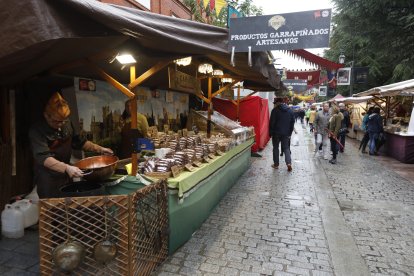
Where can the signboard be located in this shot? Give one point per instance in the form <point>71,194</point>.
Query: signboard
<point>360,74</point>
<point>344,76</point>
<point>296,86</point>
<point>289,31</point>
<point>323,91</point>
<point>183,82</point>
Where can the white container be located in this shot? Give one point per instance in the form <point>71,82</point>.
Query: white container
<point>30,211</point>
<point>12,222</point>
<point>33,195</point>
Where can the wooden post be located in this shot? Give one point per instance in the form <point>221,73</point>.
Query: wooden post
<point>209,108</point>
<point>134,123</point>
<point>388,105</point>
<point>238,103</point>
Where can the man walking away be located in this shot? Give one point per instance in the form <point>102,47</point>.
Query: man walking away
<point>375,127</point>
<point>344,124</point>
<point>320,127</point>
<point>280,129</point>
<point>365,139</point>
<point>334,125</point>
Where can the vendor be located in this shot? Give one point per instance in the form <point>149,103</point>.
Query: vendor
<point>142,127</point>
<point>52,140</point>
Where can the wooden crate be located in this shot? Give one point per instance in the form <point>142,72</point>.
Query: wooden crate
<point>134,236</point>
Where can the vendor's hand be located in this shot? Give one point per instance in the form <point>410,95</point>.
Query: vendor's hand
<point>106,151</point>
<point>73,171</point>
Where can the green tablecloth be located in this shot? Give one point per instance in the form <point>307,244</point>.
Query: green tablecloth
<point>204,190</point>
<point>187,181</point>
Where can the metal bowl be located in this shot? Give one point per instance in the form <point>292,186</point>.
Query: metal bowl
<point>68,256</point>
<point>98,168</point>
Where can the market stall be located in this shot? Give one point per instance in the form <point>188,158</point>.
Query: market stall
<point>396,102</point>
<point>75,43</point>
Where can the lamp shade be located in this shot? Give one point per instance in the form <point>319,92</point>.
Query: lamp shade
<point>205,68</point>
<point>183,61</point>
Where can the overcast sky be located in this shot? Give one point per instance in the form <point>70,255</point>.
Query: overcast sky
<point>287,6</point>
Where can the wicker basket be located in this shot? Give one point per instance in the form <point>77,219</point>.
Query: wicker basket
<point>139,224</point>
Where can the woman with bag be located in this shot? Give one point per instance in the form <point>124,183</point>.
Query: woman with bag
<point>365,139</point>
<point>374,129</point>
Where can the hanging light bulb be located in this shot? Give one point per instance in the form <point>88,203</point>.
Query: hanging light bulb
<point>183,61</point>
<point>226,80</point>
<point>205,68</point>
<point>218,72</point>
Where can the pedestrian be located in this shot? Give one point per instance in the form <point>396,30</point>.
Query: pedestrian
<point>280,129</point>
<point>312,116</point>
<point>374,127</point>
<point>307,114</point>
<point>301,115</point>
<point>320,128</point>
<point>344,125</point>
<point>365,139</point>
<point>335,123</point>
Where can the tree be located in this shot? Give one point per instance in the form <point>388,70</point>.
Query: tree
<point>245,6</point>
<point>378,34</point>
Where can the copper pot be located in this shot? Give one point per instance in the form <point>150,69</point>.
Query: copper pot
<point>98,168</point>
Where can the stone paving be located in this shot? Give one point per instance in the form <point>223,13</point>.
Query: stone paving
<point>273,222</point>
<point>353,218</point>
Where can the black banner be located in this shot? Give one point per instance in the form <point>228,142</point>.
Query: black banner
<point>296,86</point>
<point>289,31</point>
<point>360,74</point>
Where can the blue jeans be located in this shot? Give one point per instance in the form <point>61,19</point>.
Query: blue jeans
<point>373,136</point>
<point>284,140</point>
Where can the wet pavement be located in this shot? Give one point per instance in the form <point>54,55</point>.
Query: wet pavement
<point>352,218</point>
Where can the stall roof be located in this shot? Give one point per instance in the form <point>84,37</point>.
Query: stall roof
<point>39,35</point>
<point>404,88</point>
<point>353,100</point>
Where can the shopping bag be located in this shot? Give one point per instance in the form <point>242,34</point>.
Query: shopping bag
<point>318,139</point>
<point>295,140</point>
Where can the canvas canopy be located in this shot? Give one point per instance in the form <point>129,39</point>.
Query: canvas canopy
<point>43,36</point>
<point>403,88</point>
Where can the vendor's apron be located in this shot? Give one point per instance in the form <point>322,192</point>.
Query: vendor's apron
<point>127,141</point>
<point>48,181</point>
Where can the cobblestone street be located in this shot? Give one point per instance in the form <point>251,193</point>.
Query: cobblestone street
<point>353,218</point>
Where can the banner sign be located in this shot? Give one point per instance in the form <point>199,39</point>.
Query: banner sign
<point>297,86</point>
<point>344,76</point>
<point>289,31</point>
<point>183,82</point>
<point>323,91</point>
<point>360,74</point>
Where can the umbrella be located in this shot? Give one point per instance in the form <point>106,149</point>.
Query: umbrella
<point>334,137</point>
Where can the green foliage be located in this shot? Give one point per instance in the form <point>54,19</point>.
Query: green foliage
<point>245,6</point>
<point>375,33</point>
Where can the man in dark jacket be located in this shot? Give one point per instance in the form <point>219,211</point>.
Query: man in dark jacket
<point>374,128</point>
<point>280,129</point>
<point>344,125</point>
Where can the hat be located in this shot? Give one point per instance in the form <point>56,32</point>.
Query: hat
<point>58,107</point>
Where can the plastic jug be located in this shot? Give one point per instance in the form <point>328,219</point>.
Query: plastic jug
<point>30,211</point>
<point>12,222</point>
<point>33,195</point>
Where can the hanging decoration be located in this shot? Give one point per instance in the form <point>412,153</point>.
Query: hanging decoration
<point>220,4</point>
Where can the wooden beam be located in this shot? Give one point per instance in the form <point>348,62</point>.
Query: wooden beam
<point>111,80</point>
<point>238,104</point>
<point>146,75</point>
<point>209,108</point>
<point>221,90</point>
<point>134,122</point>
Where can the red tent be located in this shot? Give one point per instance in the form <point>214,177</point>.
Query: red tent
<point>254,111</point>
